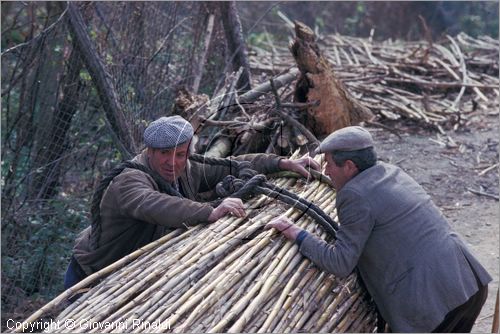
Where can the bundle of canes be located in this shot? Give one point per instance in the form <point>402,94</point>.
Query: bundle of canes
<point>230,276</point>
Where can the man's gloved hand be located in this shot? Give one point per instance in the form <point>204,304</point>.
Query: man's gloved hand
<point>300,166</point>
<point>233,206</point>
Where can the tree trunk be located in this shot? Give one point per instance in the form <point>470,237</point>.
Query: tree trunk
<point>221,148</point>
<point>337,107</point>
<point>48,159</point>
<point>135,59</point>
<point>102,82</point>
<point>265,87</point>
<point>235,43</point>
<point>204,52</point>
<point>21,137</point>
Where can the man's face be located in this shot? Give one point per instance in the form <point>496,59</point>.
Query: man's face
<point>339,175</point>
<point>169,163</point>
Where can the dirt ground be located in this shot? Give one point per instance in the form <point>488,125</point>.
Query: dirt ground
<point>447,170</point>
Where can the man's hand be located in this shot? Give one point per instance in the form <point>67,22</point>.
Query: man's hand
<point>233,206</point>
<point>300,166</point>
<point>285,226</point>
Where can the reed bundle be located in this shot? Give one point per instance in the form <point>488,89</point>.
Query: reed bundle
<point>231,276</point>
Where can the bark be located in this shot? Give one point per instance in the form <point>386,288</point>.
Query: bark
<point>203,56</point>
<point>317,81</point>
<point>221,148</point>
<point>102,81</point>
<point>188,105</point>
<point>136,64</point>
<point>264,88</point>
<point>236,43</point>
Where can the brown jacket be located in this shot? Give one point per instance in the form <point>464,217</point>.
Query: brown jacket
<point>134,212</point>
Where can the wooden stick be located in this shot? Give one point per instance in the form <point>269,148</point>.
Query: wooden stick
<point>258,91</point>
<point>494,326</point>
<point>484,171</point>
<point>440,84</point>
<point>482,193</point>
<point>279,303</point>
<point>309,135</point>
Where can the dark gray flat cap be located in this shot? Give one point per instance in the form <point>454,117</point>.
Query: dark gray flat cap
<point>351,138</point>
<point>168,132</point>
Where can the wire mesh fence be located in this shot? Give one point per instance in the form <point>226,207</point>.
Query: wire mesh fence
<point>56,138</point>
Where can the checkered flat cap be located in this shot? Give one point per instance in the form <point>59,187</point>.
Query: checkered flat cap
<point>351,138</point>
<point>168,132</point>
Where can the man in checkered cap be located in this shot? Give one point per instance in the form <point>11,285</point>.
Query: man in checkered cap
<point>134,212</point>
<point>419,272</point>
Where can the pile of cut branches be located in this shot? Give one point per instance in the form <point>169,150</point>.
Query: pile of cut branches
<point>435,85</point>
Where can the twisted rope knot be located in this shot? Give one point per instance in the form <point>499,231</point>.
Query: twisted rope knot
<point>251,187</point>
<point>229,185</point>
<point>235,187</point>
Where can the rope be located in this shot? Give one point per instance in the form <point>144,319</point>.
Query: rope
<point>248,184</point>
<point>286,193</point>
<point>242,169</point>
<point>258,185</point>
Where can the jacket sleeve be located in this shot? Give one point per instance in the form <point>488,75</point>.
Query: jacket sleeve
<point>210,175</point>
<point>262,163</point>
<point>356,224</point>
<point>138,196</point>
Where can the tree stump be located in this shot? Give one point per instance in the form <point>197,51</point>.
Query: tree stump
<point>317,81</point>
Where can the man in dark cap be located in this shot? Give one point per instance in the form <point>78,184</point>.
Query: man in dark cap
<point>419,272</point>
<point>133,210</point>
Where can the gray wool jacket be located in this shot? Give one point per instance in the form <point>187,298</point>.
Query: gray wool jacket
<point>414,266</point>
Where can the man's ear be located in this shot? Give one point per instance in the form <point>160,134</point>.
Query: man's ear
<point>351,167</point>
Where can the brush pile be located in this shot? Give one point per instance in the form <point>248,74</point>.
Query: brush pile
<point>440,86</point>
<point>230,276</point>
<point>437,84</point>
